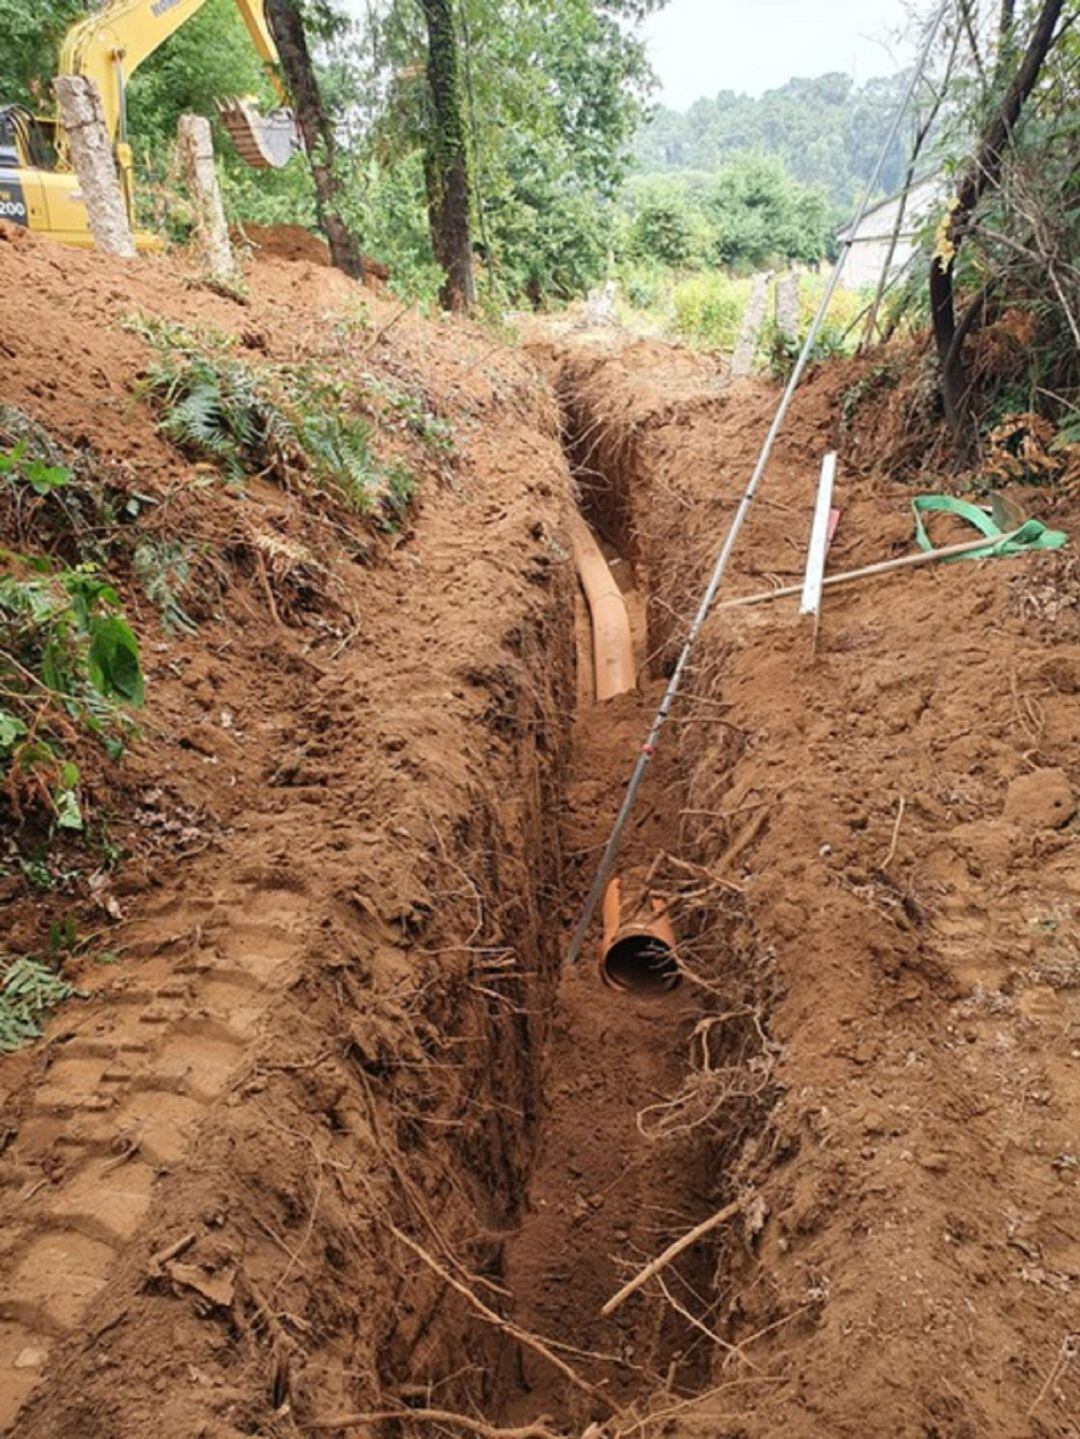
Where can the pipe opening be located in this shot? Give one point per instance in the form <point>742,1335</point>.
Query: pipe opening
<point>641,964</point>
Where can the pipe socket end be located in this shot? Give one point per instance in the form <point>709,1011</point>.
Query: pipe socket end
<point>638,951</point>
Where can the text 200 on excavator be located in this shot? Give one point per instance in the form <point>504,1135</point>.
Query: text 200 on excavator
<point>37,185</point>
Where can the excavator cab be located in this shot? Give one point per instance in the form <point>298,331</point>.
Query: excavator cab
<point>27,155</point>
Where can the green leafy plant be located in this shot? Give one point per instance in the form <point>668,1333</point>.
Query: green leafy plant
<point>783,350</point>
<point>69,666</point>
<point>29,991</point>
<point>19,465</point>
<point>708,310</point>
<point>163,568</point>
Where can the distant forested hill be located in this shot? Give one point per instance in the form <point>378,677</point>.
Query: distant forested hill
<point>827,131</point>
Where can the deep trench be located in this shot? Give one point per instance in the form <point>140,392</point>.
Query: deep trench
<point>502,1128</point>
<point>599,1200</point>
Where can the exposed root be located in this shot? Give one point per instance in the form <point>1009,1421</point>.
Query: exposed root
<point>709,1087</point>
<point>539,1430</point>
<point>523,1336</point>
<point>672,1252</point>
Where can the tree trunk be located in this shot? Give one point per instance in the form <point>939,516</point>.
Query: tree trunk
<point>446,164</point>
<point>83,119</point>
<point>982,173</point>
<point>287,27</point>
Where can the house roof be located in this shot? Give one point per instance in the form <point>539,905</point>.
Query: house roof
<point>927,177</point>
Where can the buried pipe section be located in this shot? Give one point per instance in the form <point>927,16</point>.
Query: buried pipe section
<point>638,950</point>
<point>613,646</point>
<point>637,954</point>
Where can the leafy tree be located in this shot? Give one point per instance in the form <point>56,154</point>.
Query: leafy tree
<point>31,45</point>
<point>664,230</point>
<point>749,212</point>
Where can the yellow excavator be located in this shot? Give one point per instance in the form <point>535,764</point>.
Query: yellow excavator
<point>37,185</point>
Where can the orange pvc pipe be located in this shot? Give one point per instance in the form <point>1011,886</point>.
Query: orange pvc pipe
<point>637,952</point>
<point>613,645</point>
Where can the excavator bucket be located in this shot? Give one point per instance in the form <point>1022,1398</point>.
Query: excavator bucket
<point>265,141</point>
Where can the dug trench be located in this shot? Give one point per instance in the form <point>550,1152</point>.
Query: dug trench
<point>336,1135</point>
<point>342,1137</point>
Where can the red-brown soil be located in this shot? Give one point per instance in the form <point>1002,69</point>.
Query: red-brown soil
<point>335,1081</point>
<point>293,242</point>
<point>898,805</point>
<point>339,821</point>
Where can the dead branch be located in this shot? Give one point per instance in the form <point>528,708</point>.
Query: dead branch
<point>672,1252</point>
<point>539,1430</point>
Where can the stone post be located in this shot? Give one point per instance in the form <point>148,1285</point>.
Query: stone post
<point>742,361</point>
<point>211,231</point>
<point>787,306</point>
<point>83,119</point>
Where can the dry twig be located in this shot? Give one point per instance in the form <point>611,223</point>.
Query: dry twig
<point>672,1252</point>
<point>539,1430</point>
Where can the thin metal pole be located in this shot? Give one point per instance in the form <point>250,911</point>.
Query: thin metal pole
<point>577,939</point>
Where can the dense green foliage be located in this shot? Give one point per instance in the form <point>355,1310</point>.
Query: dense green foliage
<point>69,663</point>
<point>746,214</point>
<point>31,40</point>
<point>553,93</point>
<point>827,132</point>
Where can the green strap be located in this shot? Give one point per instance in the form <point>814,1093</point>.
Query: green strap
<point>1030,536</point>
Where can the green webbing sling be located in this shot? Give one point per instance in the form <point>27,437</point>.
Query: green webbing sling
<point>1030,536</point>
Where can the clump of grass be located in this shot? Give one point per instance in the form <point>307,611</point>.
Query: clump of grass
<point>707,310</point>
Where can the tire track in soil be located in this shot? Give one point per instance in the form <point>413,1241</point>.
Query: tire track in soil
<point>123,1101</point>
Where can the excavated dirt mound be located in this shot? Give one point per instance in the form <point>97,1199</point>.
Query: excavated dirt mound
<point>896,801</point>
<point>325,1017</point>
<point>293,242</point>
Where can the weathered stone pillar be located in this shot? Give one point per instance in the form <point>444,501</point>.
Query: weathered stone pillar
<point>787,306</point>
<point>83,119</point>
<point>742,361</point>
<point>211,232</point>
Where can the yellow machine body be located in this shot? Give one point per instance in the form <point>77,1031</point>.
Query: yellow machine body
<point>37,186</point>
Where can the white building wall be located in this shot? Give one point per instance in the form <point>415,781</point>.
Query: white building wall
<point>871,246</point>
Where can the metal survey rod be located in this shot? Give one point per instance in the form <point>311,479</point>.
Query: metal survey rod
<point>577,939</point>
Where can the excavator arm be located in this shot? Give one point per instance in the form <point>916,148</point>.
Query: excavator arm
<point>110,45</point>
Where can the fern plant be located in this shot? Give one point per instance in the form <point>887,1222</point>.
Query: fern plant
<point>276,420</point>
<point>29,989</point>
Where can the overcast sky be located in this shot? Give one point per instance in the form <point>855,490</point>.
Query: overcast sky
<point>699,47</point>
